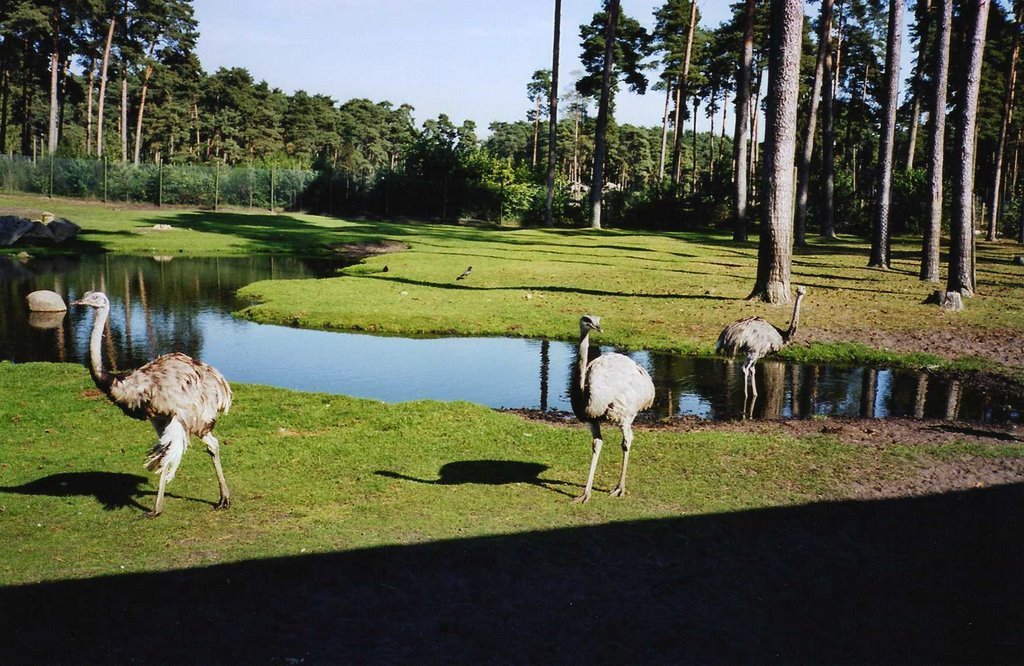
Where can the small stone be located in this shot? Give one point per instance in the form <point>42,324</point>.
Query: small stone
<point>45,300</point>
<point>162,227</point>
<point>46,218</point>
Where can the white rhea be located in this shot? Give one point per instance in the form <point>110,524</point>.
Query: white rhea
<point>612,388</point>
<point>754,337</point>
<point>179,395</point>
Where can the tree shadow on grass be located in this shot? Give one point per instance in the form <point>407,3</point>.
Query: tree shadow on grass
<point>487,473</point>
<point>114,490</point>
<point>923,580</point>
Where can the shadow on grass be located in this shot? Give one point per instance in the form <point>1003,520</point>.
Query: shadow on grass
<point>114,490</point>
<point>927,579</point>
<point>487,473</point>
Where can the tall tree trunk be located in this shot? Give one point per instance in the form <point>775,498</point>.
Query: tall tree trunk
<point>880,236</point>
<point>597,182</point>
<point>664,132</point>
<point>536,132</point>
<point>711,138</point>
<point>915,86</point>
<point>693,165</point>
<point>803,177</point>
<point>755,145</point>
<point>142,103</point>
<point>826,227</point>
<point>740,136</point>
<point>677,160</point>
<point>27,140</point>
<point>775,249</point>
<point>549,216</point>
<point>961,246</point>
<point>88,107</point>
<point>936,147</point>
<point>103,87</point>
<point>1011,84</point>
<point>124,115</point>
<point>5,89</point>
<point>54,74</point>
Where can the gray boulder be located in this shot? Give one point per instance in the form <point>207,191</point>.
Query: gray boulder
<point>13,227</point>
<point>45,300</point>
<point>38,234</point>
<point>63,229</point>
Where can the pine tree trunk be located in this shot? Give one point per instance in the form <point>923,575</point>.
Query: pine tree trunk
<point>1011,84</point>
<point>597,182</point>
<point>677,160</point>
<point>54,67</point>
<point>775,249</point>
<point>826,227</point>
<point>804,167</point>
<point>549,216</point>
<point>936,147</point>
<point>664,132</point>
<point>740,152</point>
<point>711,140</point>
<point>5,90</point>
<point>536,132</point>
<point>961,255</point>
<point>915,86</point>
<point>103,88</point>
<point>124,116</point>
<point>27,142</point>
<point>142,105</point>
<point>693,162</point>
<point>88,107</point>
<point>880,237</point>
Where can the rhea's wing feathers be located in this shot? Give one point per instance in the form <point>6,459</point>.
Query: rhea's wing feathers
<point>618,388</point>
<point>175,385</point>
<point>752,334</point>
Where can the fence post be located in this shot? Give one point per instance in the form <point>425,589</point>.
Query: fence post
<point>216,185</point>
<point>160,183</point>
<point>104,179</point>
<point>271,189</point>
<point>50,195</point>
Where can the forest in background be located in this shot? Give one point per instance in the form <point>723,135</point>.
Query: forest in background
<point>85,79</point>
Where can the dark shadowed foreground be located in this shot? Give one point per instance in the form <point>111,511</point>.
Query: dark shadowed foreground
<point>927,579</point>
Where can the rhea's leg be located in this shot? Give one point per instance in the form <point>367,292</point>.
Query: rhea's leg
<point>213,448</point>
<point>595,432</point>
<point>159,507</point>
<point>627,441</point>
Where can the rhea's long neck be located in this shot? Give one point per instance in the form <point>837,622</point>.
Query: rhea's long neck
<point>584,350</point>
<point>100,376</point>
<point>795,321</point>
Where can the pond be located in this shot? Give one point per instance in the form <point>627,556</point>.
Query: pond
<point>163,304</point>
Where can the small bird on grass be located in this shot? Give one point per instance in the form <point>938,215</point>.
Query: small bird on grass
<point>465,273</point>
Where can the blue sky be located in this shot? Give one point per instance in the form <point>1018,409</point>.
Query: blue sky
<point>470,59</point>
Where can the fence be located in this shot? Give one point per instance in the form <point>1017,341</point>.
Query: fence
<point>159,184</point>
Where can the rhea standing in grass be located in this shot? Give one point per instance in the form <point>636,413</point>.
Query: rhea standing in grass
<point>179,395</point>
<point>612,388</point>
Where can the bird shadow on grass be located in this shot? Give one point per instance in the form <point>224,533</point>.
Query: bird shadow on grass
<point>114,490</point>
<point>487,473</point>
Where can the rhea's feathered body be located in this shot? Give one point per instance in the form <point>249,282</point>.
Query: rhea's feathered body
<point>754,338</point>
<point>612,388</point>
<point>180,396</point>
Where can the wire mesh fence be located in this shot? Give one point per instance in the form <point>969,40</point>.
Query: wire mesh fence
<point>159,184</point>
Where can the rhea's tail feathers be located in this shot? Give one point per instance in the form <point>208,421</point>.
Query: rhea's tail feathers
<point>167,453</point>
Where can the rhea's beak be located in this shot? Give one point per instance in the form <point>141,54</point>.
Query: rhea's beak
<point>597,327</point>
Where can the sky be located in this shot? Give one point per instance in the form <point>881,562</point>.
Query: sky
<point>470,59</point>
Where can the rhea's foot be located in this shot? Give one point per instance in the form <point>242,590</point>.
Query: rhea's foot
<point>617,491</point>
<point>582,499</point>
<point>224,503</point>
<point>152,514</point>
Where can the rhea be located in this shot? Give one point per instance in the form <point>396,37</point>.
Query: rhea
<point>612,388</point>
<point>180,396</point>
<point>754,337</point>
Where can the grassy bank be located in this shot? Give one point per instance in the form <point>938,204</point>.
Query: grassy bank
<point>671,291</point>
<point>318,473</point>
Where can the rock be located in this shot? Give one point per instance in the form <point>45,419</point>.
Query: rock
<point>162,227</point>
<point>38,234</point>
<point>13,227</point>
<point>951,301</point>
<point>45,300</point>
<point>46,218</point>
<point>23,256</point>
<point>45,320</point>
<point>1019,260</point>
<point>63,229</point>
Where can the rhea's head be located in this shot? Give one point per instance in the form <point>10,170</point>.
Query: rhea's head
<point>589,323</point>
<point>94,299</point>
<point>801,290</point>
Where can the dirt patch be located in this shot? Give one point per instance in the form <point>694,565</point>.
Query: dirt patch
<point>367,249</point>
<point>951,342</point>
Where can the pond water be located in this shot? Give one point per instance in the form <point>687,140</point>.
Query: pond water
<point>163,304</point>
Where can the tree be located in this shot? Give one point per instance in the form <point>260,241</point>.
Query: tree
<point>549,219</point>
<point>673,20</point>
<point>826,225</point>
<point>880,236</point>
<point>960,278</point>
<point>740,154</point>
<point>775,247</point>
<point>597,181</point>
<point>804,166</point>
<point>537,90</point>
<point>1011,85</point>
<point>923,14</point>
<point>936,146</point>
